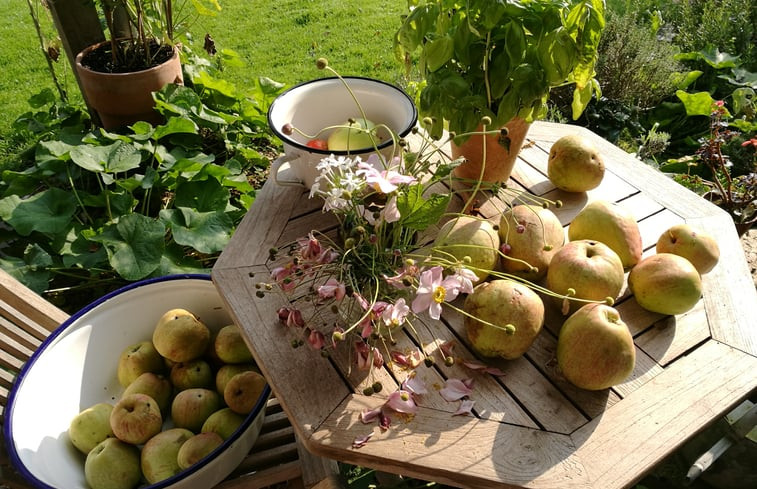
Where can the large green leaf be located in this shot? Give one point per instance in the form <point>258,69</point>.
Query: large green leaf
<point>419,213</point>
<point>49,211</point>
<point>207,232</point>
<point>135,245</point>
<point>31,269</point>
<point>114,158</point>
<point>203,196</point>
<point>696,103</point>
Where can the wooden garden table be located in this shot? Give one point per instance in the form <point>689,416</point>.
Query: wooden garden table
<point>531,428</point>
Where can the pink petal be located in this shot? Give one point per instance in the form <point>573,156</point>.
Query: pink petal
<point>455,389</point>
<point>465,408</point>
<point>402,402</point>
<point>360,441</point>
<point>384,421</point>
<point>483,368</point>
<point>369,415</point>
<point>414,385</point>
<point>447,347</point>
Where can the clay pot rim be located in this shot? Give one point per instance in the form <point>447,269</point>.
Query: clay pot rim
<point>92,47</point>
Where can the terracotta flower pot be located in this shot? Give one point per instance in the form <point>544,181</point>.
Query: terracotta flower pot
<point>125,98</point>
<point>500,160</point>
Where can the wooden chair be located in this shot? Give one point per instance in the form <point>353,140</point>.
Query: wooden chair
<point>277,458</point>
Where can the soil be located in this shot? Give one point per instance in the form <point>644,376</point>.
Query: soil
<point>749,243</point>
<point>131,57</point>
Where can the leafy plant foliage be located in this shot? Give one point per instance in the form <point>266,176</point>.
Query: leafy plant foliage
<point>99,207</point>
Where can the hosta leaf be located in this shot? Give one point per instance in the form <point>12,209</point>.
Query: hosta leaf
<point>207,232</point>
<point>49,211</point>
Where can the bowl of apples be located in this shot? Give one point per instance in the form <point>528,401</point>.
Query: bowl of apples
<point>151,386</point>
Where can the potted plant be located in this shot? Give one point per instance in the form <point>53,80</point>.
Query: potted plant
<point>480,58</point>
<point>119,75</point>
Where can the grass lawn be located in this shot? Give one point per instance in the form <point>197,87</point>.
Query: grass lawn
<point>280,40</point>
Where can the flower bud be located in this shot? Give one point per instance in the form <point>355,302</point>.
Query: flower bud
<point>548,247</point>
<point>609,301</point>
<point>287,129</point>
<point>337,336</point>
<point>427,121</point>
<point>321,63</point>
<point>509,329</point>
<point>377,386</point>
<point>368,391</point>
<point>449,361</point>
<point>486,120</point>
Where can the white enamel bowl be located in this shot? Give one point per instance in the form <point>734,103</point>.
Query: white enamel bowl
<point>76,366</point>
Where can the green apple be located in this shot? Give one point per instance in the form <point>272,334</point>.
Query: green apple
<point>530,234</point>
<point>113,464</point>
<point>665,283</point>
<point>154,385</point>
<point>191,407</point>
<point>226,372</point>
<point>159,457</point>
<point>611,224</point>
<point>180,336</point>
<point>516,312</point>
<point>90,427</point>
<point>585,269</point>
<point>137,359</point>
<point>243,391</point>
<point>224,422</point>
<point>136,418</point>
<point>192,374</point>
<point>353,136</point>
<point>700,248</point>
<point>595,349</point>
<point>230,347</point>
<point>574,164</point>
<point>197,448</point>
<point>471,241</point>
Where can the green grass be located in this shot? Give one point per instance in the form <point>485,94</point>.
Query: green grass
<point>280,40</point>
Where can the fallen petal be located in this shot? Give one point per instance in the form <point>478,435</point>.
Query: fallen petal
<point>360,441</point>
<point>455,389</point>
<point>414,385</point>
<point>483,368</point>
<point>465,408</point>
<point>369,415</point>
<point>447,347</point>
<point>402,402</point>
<point>384,421</point>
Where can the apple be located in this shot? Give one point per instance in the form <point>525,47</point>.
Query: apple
<point>226,372</point>
<point>503,303</point>
<point>471,241</point>
<point>357,135</point>
<point>113,464</point>
<point>595,349</point>
<point>574,164</point>
<point>197,448</point>
<point>136,418</point>
<point>700,248</point>
<point>137,359</point>
<point>611,224</point>
<point>159,458</point>
<point>190,408</point>
<point>665,283</point>
<point>192,374</point>
<point>243,391</point>
<point>90,427</point>
<point>224,422</point>
<point>530,234</point>
<point>230,347</point>
<point>180,336</point>
<point>154,385</point>
<point>591,269</point>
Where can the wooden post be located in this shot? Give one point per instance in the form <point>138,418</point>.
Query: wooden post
<point>78,27</point>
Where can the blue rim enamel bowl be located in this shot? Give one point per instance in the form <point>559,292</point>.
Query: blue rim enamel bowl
<point>76,367</point>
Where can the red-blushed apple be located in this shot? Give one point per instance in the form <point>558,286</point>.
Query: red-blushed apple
<point>529,236</point>
<point>191,407</point>
<point>353,136</point>
<point>197,448</point>
<point>243,391</point>
<point>574,164</point>
<point>611,224</point>
<point>159,457</point>
<point>224,422</point>
<point>192,374</point>
<point>514,313</point>
<point>665,283</point>
<point>226,372</point>
<point>595,349</point>
<point>154,385</point>
<point>137,359</point>
<point>697,246</point>
<point>468,237</point>
<point>180,336</point>
<point>113,464</point>
<point>136,418</point>
<point>90,427</point>
<point>587,270</point>
<point>230,346</point>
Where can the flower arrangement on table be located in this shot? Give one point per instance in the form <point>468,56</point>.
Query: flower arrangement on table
<point>382,269</point>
